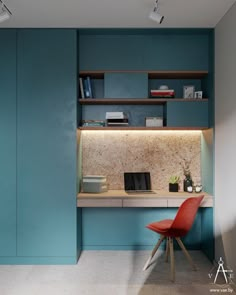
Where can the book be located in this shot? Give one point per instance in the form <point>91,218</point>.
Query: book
<point>162,93</point>
<point>86,89</point>
<point>93,123</point>
<point>117,124</point>
<point>125,120</point>
<point>89,87</point>
<point>81,87</point>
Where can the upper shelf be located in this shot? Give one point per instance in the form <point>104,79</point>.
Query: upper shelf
<point>151,74</point>
<point>143,101</point>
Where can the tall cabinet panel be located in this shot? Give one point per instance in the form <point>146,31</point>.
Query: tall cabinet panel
<point>46,166</point>
<point>8,143</point>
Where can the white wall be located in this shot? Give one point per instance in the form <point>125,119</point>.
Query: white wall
<point>225,138</point>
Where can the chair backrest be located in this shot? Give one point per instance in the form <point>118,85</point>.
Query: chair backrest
<point>185,216</point>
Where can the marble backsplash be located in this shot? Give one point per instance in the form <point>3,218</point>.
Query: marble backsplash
<point>163,153</point>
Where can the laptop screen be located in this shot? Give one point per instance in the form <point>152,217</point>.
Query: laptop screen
<point>137,181</point>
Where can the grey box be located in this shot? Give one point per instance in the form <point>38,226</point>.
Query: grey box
<point>94,184</point>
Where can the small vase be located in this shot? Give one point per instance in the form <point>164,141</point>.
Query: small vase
<point>187,182</point>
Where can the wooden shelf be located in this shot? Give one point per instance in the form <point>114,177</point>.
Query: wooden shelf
<point>143,128</point>
<point>126,101</point>
<point>177,74</point>
<point>151,74</point>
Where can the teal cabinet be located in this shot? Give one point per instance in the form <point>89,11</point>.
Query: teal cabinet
<point>187,114</point>
<point>125,85</point>
<point>137,49</point>
<point>8,143</point>
<point>46,145</point>
<point>125,228</point>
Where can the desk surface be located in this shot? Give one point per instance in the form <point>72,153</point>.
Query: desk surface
<point>119,198</point>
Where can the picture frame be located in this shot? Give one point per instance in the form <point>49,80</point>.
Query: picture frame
<point>198,94</point>
<point>188,91</point>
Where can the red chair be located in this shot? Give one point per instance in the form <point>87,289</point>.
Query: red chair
<point>179,227</point>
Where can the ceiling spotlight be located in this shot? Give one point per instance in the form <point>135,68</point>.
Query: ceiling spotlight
<point>5,13</point>
<point>154,15</point>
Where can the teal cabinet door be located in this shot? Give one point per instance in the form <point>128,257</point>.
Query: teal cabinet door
<point>8,143</point>
<point>187,114</point>
<point>46,156</point>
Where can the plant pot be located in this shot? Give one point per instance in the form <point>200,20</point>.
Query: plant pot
<point>173,187</point>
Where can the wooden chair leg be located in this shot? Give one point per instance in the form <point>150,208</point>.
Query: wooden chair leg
<point>186,253</point>
<point>167,249</point>
<point>153,252</point>
<point>172,259</point>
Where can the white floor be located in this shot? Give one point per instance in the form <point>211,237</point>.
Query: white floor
<point>115,273</point>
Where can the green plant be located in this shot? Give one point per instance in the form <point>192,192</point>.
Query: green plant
<point>186,169</point>
<point>174,179</point>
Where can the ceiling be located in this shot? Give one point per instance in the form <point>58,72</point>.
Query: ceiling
<point>115,13</point>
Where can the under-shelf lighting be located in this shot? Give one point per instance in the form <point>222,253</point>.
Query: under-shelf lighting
<point>143,132</point>
<point>5,12</point>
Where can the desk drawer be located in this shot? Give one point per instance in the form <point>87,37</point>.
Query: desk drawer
<point>207,203</point>
<point>145,203</point>
<point>178,202</point>
<point>99,203</point>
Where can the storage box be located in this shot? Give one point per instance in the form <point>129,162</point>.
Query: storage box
<point>94,184</point>
<point>154,121</point>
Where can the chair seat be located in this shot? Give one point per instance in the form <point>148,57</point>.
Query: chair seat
<point>161,227</point>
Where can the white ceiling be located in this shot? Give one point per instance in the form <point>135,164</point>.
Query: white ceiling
<point>115,13</point>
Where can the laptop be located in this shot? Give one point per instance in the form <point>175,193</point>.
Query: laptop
<point>137,182</point>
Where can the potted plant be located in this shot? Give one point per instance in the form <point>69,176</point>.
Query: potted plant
<point>174,183</point>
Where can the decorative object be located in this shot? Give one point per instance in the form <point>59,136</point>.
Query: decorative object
<point>163,87</point>
<point>198,94</point>
<point>198,188</point>
<point>188,91</point>
<point>187,173</point>
<point>190,189</point>
<point>154,122</point>
<point>174,183</point>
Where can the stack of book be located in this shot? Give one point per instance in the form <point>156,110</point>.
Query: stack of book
<point>115,119</point>
<point>85,87</point>
<point>161,93</point>
<point>93,123</point>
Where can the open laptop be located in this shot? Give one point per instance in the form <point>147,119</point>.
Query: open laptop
<point>137,182</point>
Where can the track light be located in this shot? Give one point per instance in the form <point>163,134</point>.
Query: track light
<point>155,16</point>
<point>5,13</point>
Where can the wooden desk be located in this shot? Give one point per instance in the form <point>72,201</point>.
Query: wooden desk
<point>119,198</point>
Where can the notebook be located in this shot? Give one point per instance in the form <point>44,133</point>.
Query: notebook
<point>137,182</point>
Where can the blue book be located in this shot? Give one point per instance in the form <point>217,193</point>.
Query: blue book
<point>86,89</point>
<point>89,87</point>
